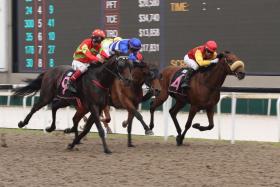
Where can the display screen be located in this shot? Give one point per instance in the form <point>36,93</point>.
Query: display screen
<point>47,32</point>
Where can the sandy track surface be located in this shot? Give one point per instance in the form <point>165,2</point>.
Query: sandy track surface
<point>33,158</point>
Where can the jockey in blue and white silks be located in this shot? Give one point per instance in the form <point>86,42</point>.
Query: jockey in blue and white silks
<point>128,47</point>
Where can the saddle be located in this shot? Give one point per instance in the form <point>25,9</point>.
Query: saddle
<point>63,88</point>
<point>176,81</point>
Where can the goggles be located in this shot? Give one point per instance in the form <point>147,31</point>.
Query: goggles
<point>97,39</point>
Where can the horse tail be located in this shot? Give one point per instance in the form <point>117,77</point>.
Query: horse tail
<point>34,85</point>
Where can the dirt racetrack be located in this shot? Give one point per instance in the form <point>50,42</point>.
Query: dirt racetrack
<point>33,158</point>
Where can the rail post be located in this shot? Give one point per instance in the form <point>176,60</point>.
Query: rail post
<point>233,112</point>
<point>219,110</point>
<point>278,116</point>
<point>166,107</point>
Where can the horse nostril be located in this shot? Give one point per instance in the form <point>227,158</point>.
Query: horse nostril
<point>240,75</point>
<point>157,92</point>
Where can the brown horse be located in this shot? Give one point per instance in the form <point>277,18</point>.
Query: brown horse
<point>203,94</point>
<point>92,90</point>
<point>127,97</point>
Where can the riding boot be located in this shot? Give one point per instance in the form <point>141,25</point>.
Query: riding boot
<point>72,79</point>
<point>186,79</point>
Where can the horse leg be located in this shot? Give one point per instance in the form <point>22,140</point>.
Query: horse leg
<point>86,129</point>
<point>108,129</point>
<point>107,119</point>
<point>129,128</point>
<point>80,113</point>
<point>210,115</point>
<point>107,115</point>
<point>173,113</point>
<point>93,118</point>
<point>56,104</point>
<point>192,113</point>
<point>155,103</point>
<point>41,103</point>
<point>131,108</point>
<point>101,133</point>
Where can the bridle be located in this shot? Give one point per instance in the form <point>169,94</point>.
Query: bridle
<point>118,74</point>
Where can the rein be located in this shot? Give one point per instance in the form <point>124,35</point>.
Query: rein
<point>118,75</point>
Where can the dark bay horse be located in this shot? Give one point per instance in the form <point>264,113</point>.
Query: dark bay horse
<point>92,90</point>
<point>126,97</point>
<point>203,94</point>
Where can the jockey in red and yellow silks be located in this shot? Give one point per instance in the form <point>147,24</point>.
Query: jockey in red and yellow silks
<point>200,56</point>
<point>86,53</point>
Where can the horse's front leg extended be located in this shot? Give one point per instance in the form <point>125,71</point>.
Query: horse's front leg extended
<point>173,113</point>
<point>127,103</point>
<point>129,128</point>
<point>137,114</point>
<point>156,103</point>
<point>192,113</point>
<point>210,115</point>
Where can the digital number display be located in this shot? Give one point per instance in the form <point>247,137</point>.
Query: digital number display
<point>49,31</point>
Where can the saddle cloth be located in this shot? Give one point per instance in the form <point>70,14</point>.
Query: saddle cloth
<point>176,81</point>
<point>62,88</point>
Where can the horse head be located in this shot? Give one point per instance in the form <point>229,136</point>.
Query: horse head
<point>120,67</point>
<point>234,66</point>
<point>152,81</point>
<point>147,75</point>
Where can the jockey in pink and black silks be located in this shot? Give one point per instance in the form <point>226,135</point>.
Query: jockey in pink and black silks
<point>86,54</point>
<point>200,56</point>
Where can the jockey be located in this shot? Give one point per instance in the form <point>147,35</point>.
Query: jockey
<point>105,46</point>
<point>86,54</point>
<point>200,56</point>
<point>129,47</point>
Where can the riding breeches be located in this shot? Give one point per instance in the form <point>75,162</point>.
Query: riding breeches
<point>76,65</point>
<point>191,63</point>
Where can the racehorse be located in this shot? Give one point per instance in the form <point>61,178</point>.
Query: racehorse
<point>130,97</point>
<point>203,94</point>
<point>127,97</point>
<point>92,89</point>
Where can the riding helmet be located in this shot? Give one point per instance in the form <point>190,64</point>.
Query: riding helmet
<point>135,43</point>
<point>211,45</point>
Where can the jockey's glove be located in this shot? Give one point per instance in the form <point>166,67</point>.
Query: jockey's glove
<point>216,60</point>
<point>100,58</point>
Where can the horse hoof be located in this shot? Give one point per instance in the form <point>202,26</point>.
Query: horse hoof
<point>124,124</point>
<point>131,145</point>
<point>107,151</point>
<point>79,143</point>
<point>179,140</point>
<point>49,129</point>
<point>21,124</point>
<point>196,126</point>
<point>70,146</point>
<point>109,131</point>
<point>149,132</point>
<point>67,131</point>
